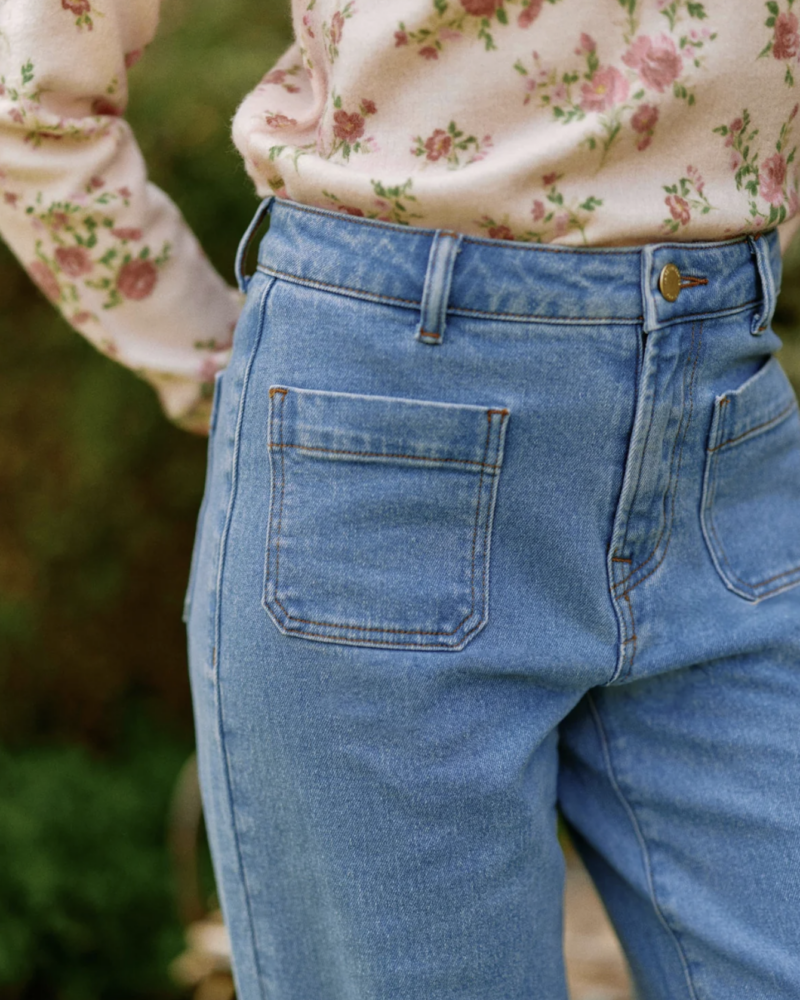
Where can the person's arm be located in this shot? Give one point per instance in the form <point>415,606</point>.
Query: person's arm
<point>108,248</point>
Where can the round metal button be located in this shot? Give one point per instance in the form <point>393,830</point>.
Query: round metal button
<point>669,282</point>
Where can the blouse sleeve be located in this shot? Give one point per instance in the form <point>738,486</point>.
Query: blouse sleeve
<point>109,249</point>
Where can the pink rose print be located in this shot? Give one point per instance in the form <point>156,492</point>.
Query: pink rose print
<point>137,279</point>
<point>438,145</point>
<point>348,126</point>
<point>132,57</point>
<point>102,106</point>
<point>695,177</point>
<point>337,24</point>
<point>552,215</point>
<point>529,14</point>
<point>784,39</point>
<point>449,145</point>
<point>279,121</point>
<point>684,198</point>
<point>758,178</point>
<point>771,178</point>
<point>333,32</point>
<point>77,7</point>
<point>500,233</point>
<point>678,208</point>
<point>368,107</point>
<point>10,198</point>
<point>786,42</point>
<point>73,261</point>
<point>561,224</point>
<point>394,203</point>
<point>127,233</point>
<point>657,61</point>
<point>454,20</point>
<point>481,8</point>
<point>45,279</point>
<point>644,122</point>
<point>607,88</point>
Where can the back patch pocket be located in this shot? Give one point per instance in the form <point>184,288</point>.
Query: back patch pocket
<point>380,518</point>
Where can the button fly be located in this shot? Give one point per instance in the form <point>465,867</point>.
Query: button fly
<point>669,282</point>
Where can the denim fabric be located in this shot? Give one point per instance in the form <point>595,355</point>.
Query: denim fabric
<point>489,530</point>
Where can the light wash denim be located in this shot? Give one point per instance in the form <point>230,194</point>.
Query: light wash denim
<point>492,530</point>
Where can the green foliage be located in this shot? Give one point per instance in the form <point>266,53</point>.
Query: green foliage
<point>86,908</point>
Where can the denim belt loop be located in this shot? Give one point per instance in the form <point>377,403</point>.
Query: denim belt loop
<point>759,247</point>
<point>242,279</point>
<point>436,291</point>
<point>649,307</point>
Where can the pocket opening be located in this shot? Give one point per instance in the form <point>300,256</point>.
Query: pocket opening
<point>751,490</point>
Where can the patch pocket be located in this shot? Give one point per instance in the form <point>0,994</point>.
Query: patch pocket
<point>751,492</point>
<point>380,518</point>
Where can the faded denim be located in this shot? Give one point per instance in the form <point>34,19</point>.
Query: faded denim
<point>491,529</point>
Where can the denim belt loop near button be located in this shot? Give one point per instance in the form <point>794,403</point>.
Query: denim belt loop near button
<point>242,279</point>
<point>436,291</point>
<point>759,247</point>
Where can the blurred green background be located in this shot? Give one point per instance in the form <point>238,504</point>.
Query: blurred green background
<point>98,499</point>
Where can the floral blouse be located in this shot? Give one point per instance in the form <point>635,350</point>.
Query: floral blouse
<point>580,122</point>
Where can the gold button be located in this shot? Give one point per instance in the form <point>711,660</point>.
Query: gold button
<point>669,282</point>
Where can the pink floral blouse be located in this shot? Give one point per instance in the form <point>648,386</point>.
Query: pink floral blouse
<point>581,122</point>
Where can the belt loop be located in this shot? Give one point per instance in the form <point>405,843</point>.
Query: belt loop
<point>242,279</point>
<point>759,247</point>
<point>436,291</point>
<point>649,308</point>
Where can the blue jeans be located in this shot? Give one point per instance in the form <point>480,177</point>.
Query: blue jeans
<point>494,530</point>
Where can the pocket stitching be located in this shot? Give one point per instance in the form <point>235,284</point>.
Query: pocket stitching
<point>484,464</point>
<point>710,489</point>
<point>758,429</point>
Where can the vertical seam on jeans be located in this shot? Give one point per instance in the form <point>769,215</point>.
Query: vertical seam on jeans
<point>670,494</point>
<point>645,443</point>
<point>218,616</point>
<point>671,932</point>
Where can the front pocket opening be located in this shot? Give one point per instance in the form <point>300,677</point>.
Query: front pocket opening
<point>380,518</point>
<point>751,492</point>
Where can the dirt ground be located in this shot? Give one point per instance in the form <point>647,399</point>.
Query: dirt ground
<point>595,967</point>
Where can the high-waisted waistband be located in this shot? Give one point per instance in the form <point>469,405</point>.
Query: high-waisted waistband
<point>443,272</point>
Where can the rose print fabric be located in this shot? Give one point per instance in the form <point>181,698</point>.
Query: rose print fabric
<point>109,249</point>
<point>582,122</point>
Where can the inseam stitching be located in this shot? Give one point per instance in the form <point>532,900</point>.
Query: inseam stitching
<point>648,867</point>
